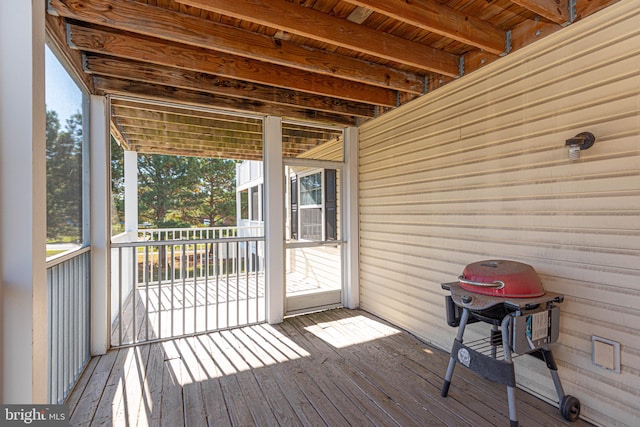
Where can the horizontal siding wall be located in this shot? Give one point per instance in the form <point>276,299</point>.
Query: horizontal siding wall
<point>479,170</point>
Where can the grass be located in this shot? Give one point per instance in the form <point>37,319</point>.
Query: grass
<point>53,252</point>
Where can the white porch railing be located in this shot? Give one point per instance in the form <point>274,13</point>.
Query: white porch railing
<point>202,233</point>
<point>183,285</point>
<point>68,318</point>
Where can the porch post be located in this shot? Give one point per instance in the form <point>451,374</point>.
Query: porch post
<point>351,297</point>
<point>23,205</point>
<point>100,224</point>
<point>131,194</point>
<point>274,222</point>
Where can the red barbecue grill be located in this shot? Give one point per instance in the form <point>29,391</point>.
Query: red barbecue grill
<point>508,295</point>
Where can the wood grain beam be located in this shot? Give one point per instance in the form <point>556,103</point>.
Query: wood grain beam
<point>432,16</point>
<point>172,26</point>
<point>307,22</point>
<point>554,10</point>
<point>162,119</point>
<point>140,134</point>
<point>109,85</point>
<point>180,150</point>
<point>170,130</point>
<point>229,66</point>
<point>169,76</point>
<point>174,113</point>
<point>57,41</point>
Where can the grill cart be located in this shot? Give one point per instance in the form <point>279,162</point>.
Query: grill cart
<point>524,318</point>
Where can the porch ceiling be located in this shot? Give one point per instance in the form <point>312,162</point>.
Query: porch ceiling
<point>339,62</point>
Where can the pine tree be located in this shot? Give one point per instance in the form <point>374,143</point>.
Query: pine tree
<point>64,178</point>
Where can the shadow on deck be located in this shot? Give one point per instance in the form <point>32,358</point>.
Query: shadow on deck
<point>337,368</point>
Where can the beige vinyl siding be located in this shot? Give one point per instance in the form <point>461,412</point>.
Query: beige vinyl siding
<point>479,170</point>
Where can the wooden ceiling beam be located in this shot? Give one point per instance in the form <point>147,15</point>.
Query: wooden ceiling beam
<point>169,76</point>
<point>307,22</point>
<point>173,26</point>
<point>158,120</point>
<point>223,65</point>
<point>157,137</point>
<point>182,131</point>
<point>554,10</point>
<point>431,16</point>
<point>168,112</point>
<point>109,85</point>
<point>57,42</point>
<point>146,148</point>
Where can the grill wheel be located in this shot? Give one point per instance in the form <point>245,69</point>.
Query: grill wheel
<point>570,408</point>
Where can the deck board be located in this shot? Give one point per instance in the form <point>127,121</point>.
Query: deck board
<point>334,368</point>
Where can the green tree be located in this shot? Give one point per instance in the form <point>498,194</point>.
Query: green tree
<point>166,185</point>
<point>117,187</point>
<point>218,187</point>
<point>64,178</point>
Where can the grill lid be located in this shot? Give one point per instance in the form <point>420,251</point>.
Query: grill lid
<point>501,278</point>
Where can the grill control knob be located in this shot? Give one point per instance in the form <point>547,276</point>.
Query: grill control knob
<point>466,299</point>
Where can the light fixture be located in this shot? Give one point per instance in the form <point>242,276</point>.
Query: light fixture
<point>581,141</point>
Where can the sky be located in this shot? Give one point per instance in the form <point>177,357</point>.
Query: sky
<point>61,94</point>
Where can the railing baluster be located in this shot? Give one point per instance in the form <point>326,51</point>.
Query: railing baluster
<point>226,256</point>
<point>216,272</point>
<point>237,270</point>
<point>134,290</point>
<point>257,270</point>
<point>195,288</point>
<point>161,252</point>
<point>184,299</point>
<point>246,276</point>
<point>206,286</point>
<point>120,254</point>
<point>146,293</point>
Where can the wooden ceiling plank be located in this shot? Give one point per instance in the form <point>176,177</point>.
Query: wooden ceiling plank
<point>159,120</point>
<point>109,85</point>
<point>178,27</point>
<point>133,127</point>
<point>169,76</point>
<point>168,111</point>
<point>137,126</point>
<point>359,15</point>
<point>207,153</point>
<point>434,17</point>
<point>170,139</point>
<point>223,65</point>
<point>307,22</point>
<point>554,10</point>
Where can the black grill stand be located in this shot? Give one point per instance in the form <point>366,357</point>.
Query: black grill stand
<point>491,367</point>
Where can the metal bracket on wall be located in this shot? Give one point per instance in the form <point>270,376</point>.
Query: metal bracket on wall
<point>460,67</point>
<point>507,43</point>
<point>572,12</point>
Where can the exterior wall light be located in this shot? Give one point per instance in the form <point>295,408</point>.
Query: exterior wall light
<point>581,141</point>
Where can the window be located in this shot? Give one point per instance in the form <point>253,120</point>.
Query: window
<point>65,159</point>
<point>255,204</point>
<point>311,207</point>
<point>315,217</point>
<point>244,204</point>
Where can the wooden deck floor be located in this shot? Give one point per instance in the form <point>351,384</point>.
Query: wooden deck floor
<point>336,368</point>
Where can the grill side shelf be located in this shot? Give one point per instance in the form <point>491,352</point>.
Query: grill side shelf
<point>496,370</point>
